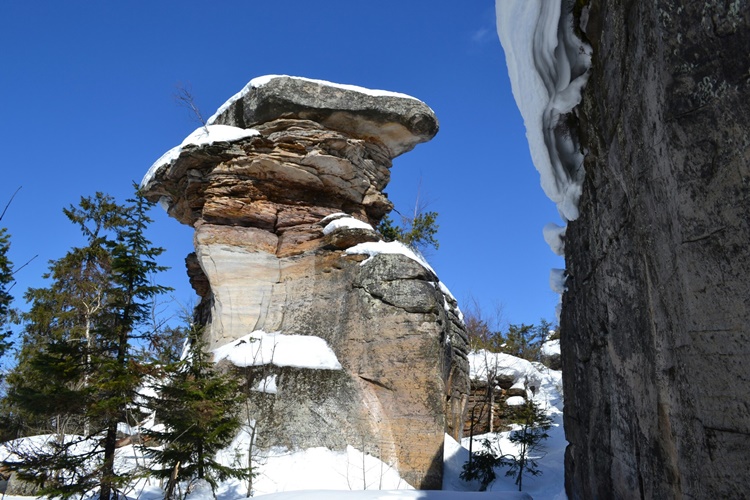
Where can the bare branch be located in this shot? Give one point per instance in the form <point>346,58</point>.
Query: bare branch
<point>184,97</point>
<point>26,264</point>
<point>9,202</point>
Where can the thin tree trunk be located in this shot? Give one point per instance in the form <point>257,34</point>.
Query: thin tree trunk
<point>250,459</point>
<point>108,468</point>
<point>169,494</point>
<point>200,460</point>
<point>87,369</point>
<point>471,437</point>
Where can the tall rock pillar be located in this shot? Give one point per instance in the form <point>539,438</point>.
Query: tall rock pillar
<point>343,339</point>
<point>656,317</point>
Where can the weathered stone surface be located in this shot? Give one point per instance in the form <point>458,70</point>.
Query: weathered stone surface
<point>655,322</point>
<point>18,487</point>
<point>270,182</point>
<point>399,123</point>
<point>263,262</point>
<point>392,397</point>
<point>349,237</point>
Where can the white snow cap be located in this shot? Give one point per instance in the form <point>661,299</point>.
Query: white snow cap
<point>263,80</point>
<point>261,348</point>
<point>548,68</point>
<point>554,235</point>
<point>373,248</point>
<point>346,222</point>
<point>557,280</point>
<point>202,135</point>
<point>551,348</point>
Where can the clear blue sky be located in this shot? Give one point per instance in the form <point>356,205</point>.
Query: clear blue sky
<point>87,100</point>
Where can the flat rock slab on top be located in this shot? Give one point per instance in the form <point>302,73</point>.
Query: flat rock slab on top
<point>398,121</point>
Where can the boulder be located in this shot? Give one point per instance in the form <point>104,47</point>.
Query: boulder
<point>397,121</point>
<point>283,219</point>
<point>20,488</point>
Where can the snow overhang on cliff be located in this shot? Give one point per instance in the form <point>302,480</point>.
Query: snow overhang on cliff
<point>548,68</point>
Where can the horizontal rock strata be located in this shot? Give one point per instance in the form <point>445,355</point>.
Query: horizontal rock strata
<point>265,262</point>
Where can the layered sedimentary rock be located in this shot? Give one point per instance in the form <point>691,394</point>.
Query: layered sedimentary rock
<point>655,320</point>
<point>283,188</point>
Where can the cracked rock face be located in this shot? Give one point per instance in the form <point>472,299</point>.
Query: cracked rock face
<point>263,262</point>
<point>655,322</point>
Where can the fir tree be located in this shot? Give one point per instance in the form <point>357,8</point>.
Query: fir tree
<point>198,406</point>
<point>481,466</point>
<point>6,283</point>
<point>417,232</point>
<point>6,278</point>
<point>59,337</point>
<point>78,366</point>
<point>533,424</point>
<point>525,341</point>
<point>130,293</point>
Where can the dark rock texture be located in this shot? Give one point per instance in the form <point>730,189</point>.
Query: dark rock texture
<point>656,319</point>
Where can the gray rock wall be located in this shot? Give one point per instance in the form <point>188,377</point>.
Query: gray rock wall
<point>655,322</point>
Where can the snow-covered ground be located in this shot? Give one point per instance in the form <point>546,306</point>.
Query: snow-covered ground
<point>545,388</point>
<point>319,473</point>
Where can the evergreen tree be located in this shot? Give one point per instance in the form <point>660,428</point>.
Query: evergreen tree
<point>417,232</point>
<point>130,294</point>
<point>481,466</point>
<point>166,347</point>
<point>78,366</point>
<point>58,336</point>
<point>198,406</point>
<point>525,341</point>
<point>534,424</point>
<point>6,278</point>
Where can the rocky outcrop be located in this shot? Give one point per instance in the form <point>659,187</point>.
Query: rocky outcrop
<point>283,189</point>
<point>15,486</point>
<point>655,321</point>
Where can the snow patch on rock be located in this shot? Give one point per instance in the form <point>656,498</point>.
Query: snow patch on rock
<point>200,136</point>
<point>548,66</point>
<point>260,348</point>
<point>345,223</point>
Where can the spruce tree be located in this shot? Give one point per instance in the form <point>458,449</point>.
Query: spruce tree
<point>533,424</point>
<point>198,406</point>
<point>78,364</point>
<point>55,360</point>
<point>417,232</point>
<point>6,278</point>
<point>130,294</point>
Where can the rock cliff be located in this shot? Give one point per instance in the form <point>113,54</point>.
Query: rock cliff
<point>283,188</point>
<point>655,321</point>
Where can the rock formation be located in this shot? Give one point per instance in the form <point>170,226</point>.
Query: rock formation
<point>655,321</point>
<point>283,188</point>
